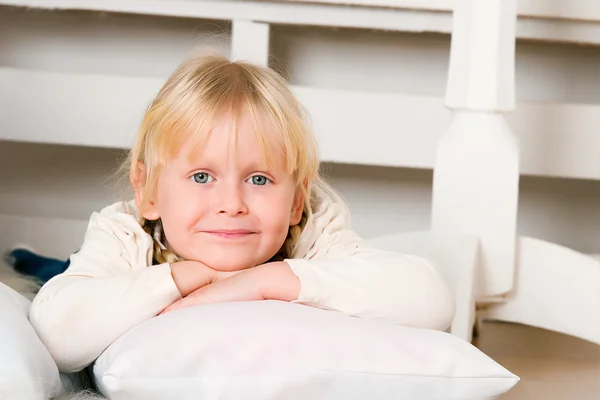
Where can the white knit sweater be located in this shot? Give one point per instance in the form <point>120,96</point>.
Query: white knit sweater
<point>111,286</point>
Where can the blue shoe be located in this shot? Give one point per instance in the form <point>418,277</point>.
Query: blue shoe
<point>27,262</point>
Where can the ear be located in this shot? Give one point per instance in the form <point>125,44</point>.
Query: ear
<point>297,206</point>
<point>146,207</point>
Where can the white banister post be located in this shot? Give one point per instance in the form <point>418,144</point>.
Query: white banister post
<point>250,42</point>
<point>476,176</point>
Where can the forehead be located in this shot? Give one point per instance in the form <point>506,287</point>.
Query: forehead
<point>240,137</point>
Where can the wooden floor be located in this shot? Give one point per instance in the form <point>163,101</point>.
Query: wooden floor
<point>551,366</point>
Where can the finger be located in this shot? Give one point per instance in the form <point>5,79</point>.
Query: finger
<point>165,311</point>
<point>175,306</point>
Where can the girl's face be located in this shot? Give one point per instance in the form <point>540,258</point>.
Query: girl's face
<point>228,210</point>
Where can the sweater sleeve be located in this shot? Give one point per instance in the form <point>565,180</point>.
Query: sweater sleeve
<point>107,290</point>
<point>342,273</point>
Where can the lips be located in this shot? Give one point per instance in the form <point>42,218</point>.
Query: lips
<point>231,233</point>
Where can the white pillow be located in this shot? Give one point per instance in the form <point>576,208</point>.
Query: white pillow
<point>277,350</point>
<point>27,370</point>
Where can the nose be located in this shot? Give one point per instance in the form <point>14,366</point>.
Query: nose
<point>231,200</point>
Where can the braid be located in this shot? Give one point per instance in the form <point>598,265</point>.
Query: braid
<point>288,247</point>
<point>293,235</point>
<point>160,254</point>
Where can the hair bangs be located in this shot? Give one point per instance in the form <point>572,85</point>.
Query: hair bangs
<point>186,122</point>
<point>274,134</point>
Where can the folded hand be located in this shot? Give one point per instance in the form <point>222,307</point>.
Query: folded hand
<point>274,281</point>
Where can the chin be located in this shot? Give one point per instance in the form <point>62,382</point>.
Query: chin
<point>230,264</point>
<point>231,268</point>
<point>229,259</point>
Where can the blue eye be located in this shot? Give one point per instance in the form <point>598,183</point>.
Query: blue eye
<point>202,177</point>
<point>259,180</point>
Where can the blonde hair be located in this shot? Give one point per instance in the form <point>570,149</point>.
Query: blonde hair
<point>187,106</point>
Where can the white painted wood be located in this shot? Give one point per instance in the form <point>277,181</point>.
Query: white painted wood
<point>468,263</point>
<point>347,59</point>
<point>90,110</point>
<point>559,140</point>
<point>439,5</point>
<point>475,191</point>
<point>556,289</point>
<point>574,9</point>
<point>250,42</point>
<point>459,267</point>
<point>399,62</point>
<point>564,30</point>
<point>418,19</point>
<point>263,11</point>
<point>482,59</point>
<point>476,174</point>
<point>542,130</point>
<point>476,186</point>
<point>104,43</point>
<point>390,200</point>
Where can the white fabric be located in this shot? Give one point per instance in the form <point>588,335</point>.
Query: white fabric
<point>27,370</point>
<point>109,287</point>
<point>276,350</point>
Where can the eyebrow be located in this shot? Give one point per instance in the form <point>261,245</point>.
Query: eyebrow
<point>214,164</point>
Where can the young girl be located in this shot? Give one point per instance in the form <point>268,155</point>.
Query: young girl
<point>228,207</point>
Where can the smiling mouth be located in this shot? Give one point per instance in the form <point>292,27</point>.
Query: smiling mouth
<point>231,234</point>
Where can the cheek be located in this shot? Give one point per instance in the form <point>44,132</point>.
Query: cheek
<point>275,210</point>
<point>180,209</point>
